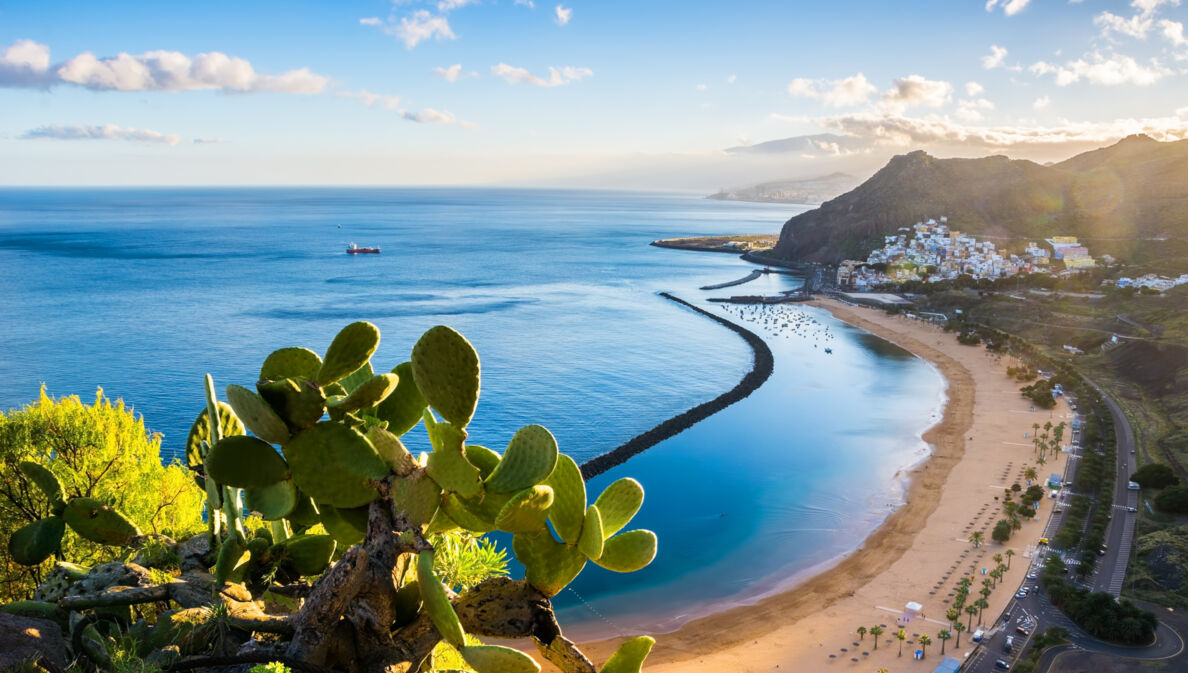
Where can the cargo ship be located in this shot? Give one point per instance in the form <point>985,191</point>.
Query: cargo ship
<point>353,249</point>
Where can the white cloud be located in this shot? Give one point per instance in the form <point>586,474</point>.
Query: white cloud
<point>898,131</point>
<point>732,79</point>
<point>526,3</point>
<point>387,102</point>
<point>916,90</point>
<point>1173,31</point>
<point>1041,103</point>
<point>371,21</point>
<point>27,64</point>
<point>209,141</point>
<point>105,132</point>
<point>1102,70</point>
<point>563,15</point>
<point>421,26</point>
<point>1009,7</point>
<point>994,58</point>
<point>447,5</point>
<point>1138,25</point>
<point>431,116</point>
<point>702,87</point>
<point>837,93</point>
<point>453,73</point>
<point>973,88</point>
<point>557,76</point>
<point>971,110</point>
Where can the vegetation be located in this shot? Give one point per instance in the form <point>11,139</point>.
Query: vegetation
<point>1097,612</point>
<point>1173,499</point>
<point>1053,635</point>
<point>1155,475</point>
<point>1040,392</point>
<point>391,543</point>
<point>97,455</point>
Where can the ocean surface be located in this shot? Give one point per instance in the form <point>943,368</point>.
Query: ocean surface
<point>143,291</point>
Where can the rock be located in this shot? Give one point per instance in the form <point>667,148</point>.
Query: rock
<point>25,639</point>
<point>196,553</point>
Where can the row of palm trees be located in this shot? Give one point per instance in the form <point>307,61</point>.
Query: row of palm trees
<point>1049,441</point>
<point>901,635</point>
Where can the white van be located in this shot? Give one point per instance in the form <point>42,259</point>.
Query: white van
<point>977,635</point>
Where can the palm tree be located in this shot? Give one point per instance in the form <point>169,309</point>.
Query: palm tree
<point>861,632</point>
<point>875,632</point>
<point>1041,460</point>
<point>952,615</point>
<point>996,574</point>
<point>958,627</point>
<point>1009,554</point>
<point>976,538</point>
<point>925,641</point>
<point>981,605</point>
<point>971,610</point>
<point>901,636</point>
<point>1030,474</point>
<point>882,670</point>
<point>997,558</point>
<point>944,635</point>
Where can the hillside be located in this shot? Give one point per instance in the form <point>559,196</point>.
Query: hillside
<point>1129,199</point>
<point>808,191</point>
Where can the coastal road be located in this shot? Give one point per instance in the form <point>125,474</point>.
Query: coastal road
<point>1120,533</point>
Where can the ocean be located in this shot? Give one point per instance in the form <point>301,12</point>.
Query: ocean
<point>143,291</point>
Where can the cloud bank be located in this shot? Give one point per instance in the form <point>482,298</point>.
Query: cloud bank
<point>105,132</point>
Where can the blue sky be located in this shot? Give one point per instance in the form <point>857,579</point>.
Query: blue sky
<point>625,94</point>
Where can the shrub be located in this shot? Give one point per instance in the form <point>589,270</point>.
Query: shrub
<point>100,451</point>
<point>1154,475</point>
<point>1002,531</point>
<point>1173,499</point>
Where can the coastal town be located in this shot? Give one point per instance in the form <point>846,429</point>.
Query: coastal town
<point>932,251</point>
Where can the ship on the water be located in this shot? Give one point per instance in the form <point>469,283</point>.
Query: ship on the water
<point>353,249</point>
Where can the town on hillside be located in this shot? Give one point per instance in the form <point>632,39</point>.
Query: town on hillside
<point>932,251</point>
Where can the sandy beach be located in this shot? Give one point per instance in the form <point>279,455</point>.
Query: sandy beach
<point>921,551</point>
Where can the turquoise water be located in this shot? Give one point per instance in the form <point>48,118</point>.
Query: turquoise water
<point>144,291</point>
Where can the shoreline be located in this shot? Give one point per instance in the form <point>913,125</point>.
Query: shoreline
<point>762,365</point>
<point>874,555</point>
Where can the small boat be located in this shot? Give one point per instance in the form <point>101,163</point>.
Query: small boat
<point>829,351</point>
<point>353,249</point>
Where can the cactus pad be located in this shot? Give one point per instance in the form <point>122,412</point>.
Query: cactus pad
<point>351,382</point>
<point>630,656</point>
<point>368,394</point>
<point>245,462</point>
<point>591,541</point>
<point>447,372</point>
<point>97,522</point>
<point>498,659</point>
<point>257,415</point>
<point>335,464</point>
<point>526,511</point>
<point>290,363</point>
<point>569,499</point>
<point>392,450</point>
<point>349,351</point>
<point>231,554</point>
<point>483,458</point>
<point>272,502</point>
<point>299,402</point>
<point>618,504</point>
<point>345,532</point>
<point>550,565</point>
<point>437,603</point>
<point>530,457</point>
<point>441,523</point>
<point>418,496</point>
<point>309,554</point>
<point>629,551</point>
<point>35,542</point>
<point>200,432</point>
<point>45,480</point>
<point>447,463</point>
<point>402,409</point>
<point>468,514</point>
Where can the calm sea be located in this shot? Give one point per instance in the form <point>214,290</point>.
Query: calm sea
<point>144,291</point>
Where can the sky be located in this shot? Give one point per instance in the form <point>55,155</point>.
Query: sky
<point>642,94</point>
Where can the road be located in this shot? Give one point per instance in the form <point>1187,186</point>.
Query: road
<point>1024,617</point>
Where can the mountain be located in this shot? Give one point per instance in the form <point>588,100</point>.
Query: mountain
<point>1129,200</point>
<point>830,143</point>
<point>811,190</point>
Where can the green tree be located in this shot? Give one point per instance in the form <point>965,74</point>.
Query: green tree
<point>1002,531</point>
<point>1030,474</point>
<point>944,635</point>
<point>958,628</point>
<point>875,632</point>
<point>976,538</point>
<point>925,641</point>
<point>1155,475</point>
<point>901,636</point>
<point>861,632</point>
<point>971,610</point>
<point>981,604</point>
<point>1009,554</point>
<point>100,451</point>
<point>1173,499</point>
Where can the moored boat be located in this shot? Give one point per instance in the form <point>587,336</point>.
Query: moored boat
<point>353,249</point>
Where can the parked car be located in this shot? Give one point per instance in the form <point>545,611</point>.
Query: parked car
<point>1131,509</point>
<point>1022,631</point>
<point>999,663</point>
<point>1022,594</point>
<point>1032,576</point>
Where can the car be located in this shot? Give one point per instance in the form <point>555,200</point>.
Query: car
<point>1032,576</point>
<point>1131,510</point>
<point>1022,594</point>
<point>1058,510</point>
<point>1022,631</point>
<point>999,663</point>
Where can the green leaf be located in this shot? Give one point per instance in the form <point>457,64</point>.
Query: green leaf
<point>35,542</point>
